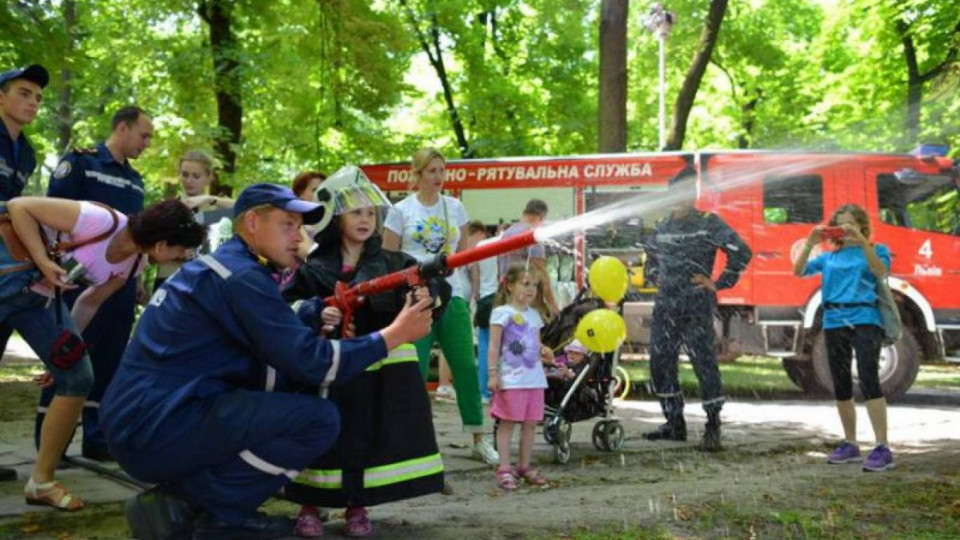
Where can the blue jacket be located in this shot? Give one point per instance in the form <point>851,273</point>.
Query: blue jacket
<point>682,247</point>
<point>14,172</point>
<point>208,331</point>
<point>93,175</point>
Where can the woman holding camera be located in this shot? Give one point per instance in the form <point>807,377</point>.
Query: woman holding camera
<point>852,323</point>
<point>100,247</point>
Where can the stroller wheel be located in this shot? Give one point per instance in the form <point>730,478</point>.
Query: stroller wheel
<point>599,441</point>
<point>612,436</point>
<point>551,430</point>
<point>561,452</point>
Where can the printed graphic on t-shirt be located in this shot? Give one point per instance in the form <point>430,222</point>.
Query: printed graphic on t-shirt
<point>432,234</point>
<point>521,344</point>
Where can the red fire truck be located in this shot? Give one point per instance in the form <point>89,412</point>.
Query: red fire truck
<point>772,199</point>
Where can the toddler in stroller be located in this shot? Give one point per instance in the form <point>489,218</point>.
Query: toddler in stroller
<point>581,390</point>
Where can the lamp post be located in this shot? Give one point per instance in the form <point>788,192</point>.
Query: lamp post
<point>658,22</point>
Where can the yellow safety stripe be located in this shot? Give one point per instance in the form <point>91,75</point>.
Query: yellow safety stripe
<point>404,353</point>
<point>379,476</point>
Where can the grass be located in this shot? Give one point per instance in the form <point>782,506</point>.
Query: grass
<point>760,376</point>
<point>750,376</point>
<point>876,507</point>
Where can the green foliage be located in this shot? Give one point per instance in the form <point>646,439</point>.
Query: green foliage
<point>327,82</point>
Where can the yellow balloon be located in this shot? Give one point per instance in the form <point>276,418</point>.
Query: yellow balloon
<point>608,279</point>
<point>601,330</point>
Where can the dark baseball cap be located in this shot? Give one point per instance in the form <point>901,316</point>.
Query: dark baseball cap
<point>34,72</point>
<point>280,197</point>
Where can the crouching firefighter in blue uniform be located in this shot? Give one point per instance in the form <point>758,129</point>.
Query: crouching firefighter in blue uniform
<point>187,410</point>
<point>680,258</point>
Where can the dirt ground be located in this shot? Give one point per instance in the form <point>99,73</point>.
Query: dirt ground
<point>770,482</point>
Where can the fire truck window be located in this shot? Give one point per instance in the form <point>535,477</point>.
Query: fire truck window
<point>793,199</point>
<point>926,203</point>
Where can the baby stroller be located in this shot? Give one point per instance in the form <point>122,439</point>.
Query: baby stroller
<point>588,395</point>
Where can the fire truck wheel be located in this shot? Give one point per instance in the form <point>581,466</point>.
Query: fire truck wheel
<point>800,372</point>
<point>899,364</point>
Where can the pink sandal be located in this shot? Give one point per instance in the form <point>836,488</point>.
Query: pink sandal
<point>358,524</point>
<point>309,524</point>
<point>506,478</point>
<point>532,476</point>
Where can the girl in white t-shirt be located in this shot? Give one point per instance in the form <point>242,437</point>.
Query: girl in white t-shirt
<point>517,377</point>
<point>424,225</point>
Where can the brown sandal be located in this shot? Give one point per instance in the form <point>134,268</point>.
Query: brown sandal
<point>532,476</point>
<point>51,494</point>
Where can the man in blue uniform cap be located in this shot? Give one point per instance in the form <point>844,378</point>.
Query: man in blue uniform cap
<point>103,174</point>
<point>680,258</point>
<point>184,410</point>
<point>21,93</point>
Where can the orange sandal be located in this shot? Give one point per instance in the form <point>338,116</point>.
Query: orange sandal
<point>532,476</point>
<point>51,494</point>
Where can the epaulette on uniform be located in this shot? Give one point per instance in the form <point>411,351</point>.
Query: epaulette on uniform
<point>91,151</point>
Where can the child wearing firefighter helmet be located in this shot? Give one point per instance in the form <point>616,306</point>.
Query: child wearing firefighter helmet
<point>387,449</point>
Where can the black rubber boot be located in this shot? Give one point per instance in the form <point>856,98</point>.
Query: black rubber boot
<point>710,442</point>
<point>158,515</point>
<point>259,527</point>
<point>673,430</point>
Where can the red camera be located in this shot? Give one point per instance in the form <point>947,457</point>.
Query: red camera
<point>833,233</point>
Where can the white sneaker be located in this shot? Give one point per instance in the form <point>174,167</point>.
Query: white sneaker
<point>485,452</point>
<point>445,393</point>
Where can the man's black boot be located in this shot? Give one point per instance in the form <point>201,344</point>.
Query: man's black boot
<point>710,442</point>
<point>672,430</point>
<point>259,527</point>
<point>158,515</point>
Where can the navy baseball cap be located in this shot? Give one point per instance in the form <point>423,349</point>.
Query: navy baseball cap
<point>279,196</point>
<point>34,72</point>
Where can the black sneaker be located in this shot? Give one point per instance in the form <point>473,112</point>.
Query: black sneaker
<point>158,515</point>
<point>259,527</point>
<point>670,431</point>
<point>7,474</point>
<point>710,441</point>
<point>96,453</point>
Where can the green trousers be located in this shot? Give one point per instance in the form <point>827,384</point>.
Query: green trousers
<point>454,332</point>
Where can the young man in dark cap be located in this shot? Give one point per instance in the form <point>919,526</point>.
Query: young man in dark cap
<point>21,93</point>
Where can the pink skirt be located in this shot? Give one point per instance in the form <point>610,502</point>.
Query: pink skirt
<point>518,405</point>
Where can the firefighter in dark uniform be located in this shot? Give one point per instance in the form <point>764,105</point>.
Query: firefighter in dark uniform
<point>103,174</point>
<point>21,92</point>
<point>681,255</point>
<point>187,409</point>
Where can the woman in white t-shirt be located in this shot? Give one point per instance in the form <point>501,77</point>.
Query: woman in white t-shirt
<point>196,174</point>
<point>424,225</point>
<point>101,249</point>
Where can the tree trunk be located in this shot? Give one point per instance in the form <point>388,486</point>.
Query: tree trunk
<point>431,46</point>
<point>691,84</point>
<point>612,126</point>
<point>916,80</point>
<point>226,79</point>
<point>65,95</point>
<point>747,120</point>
